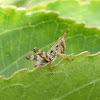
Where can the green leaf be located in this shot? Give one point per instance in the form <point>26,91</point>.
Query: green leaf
<point>21,31</point>
<point>83,10</point>
<point>72,80</point>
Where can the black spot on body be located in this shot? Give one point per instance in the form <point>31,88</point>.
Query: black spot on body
<point>51,51</point>
<point>50,59</point>
<point>56,46</point>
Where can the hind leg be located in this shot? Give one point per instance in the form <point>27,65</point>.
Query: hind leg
<point>66,56</point>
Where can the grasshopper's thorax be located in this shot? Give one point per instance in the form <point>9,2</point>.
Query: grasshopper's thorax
<point>58,48</point>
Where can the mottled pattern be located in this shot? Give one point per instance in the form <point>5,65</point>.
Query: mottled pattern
<point>43,58</point>
<point>42,54</point>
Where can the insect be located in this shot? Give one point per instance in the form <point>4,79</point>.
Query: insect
<point>56,50</point>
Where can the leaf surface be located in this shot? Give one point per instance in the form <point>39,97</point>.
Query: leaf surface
<point>72,80</point>
<point>22,31</point>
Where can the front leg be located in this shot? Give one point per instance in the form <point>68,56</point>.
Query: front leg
<point>51,65</point>
<point>32,57</point>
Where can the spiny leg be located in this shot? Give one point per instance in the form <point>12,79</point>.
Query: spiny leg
<point>32,57</point>
<point>51,66</point>
<point>58,63</point>
<point>65,56</point>
<point>42,54</point>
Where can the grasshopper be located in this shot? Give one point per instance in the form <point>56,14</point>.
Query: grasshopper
<point>56,50</point>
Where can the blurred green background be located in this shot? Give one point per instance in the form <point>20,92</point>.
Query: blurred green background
<point>23,3</point>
